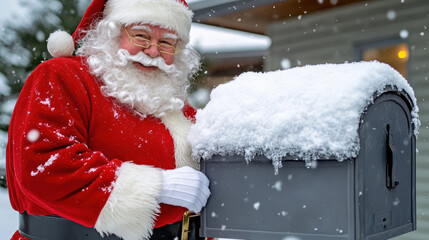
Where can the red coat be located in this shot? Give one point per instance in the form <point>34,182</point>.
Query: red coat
<point>67,142</point>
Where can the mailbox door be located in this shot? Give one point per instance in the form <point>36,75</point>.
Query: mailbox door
<point>386,169</point>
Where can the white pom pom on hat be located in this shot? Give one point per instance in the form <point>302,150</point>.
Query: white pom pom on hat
<point>60,44</point>
<point>171,14</point>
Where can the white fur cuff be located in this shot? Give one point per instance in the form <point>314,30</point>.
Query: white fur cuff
<point>132,206</point>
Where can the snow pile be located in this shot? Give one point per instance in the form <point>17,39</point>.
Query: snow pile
<point>308,113</point>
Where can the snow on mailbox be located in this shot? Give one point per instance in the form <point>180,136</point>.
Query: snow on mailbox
<point>320,152</point>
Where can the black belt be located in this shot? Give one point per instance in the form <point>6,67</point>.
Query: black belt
<point>37,227</point>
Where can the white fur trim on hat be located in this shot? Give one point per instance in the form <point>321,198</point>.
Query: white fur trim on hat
<point>60,44</point>
<point>169,14</point>
<point>132,206</point>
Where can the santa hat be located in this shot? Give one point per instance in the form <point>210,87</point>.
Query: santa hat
<point>171,14</point>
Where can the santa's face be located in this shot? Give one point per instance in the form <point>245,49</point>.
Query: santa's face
<point>134,36</point>
<point>143,77</point>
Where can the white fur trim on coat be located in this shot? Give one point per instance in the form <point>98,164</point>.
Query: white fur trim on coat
<point>132,206</point>
<point>178,126</point>
<point>169,14</point>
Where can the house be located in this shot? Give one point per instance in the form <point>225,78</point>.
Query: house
<point>307,32</point>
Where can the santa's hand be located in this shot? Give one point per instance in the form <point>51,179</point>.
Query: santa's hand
<point>185,187</point>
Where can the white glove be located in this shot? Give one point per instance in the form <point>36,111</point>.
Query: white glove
<point>185,187</point>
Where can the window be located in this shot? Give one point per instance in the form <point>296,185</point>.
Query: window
<point>390,51</point>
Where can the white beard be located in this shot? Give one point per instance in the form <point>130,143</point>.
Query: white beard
<point>147,93</point>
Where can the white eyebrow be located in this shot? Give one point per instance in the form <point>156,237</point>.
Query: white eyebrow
<point>142,27</point>
<point>170,35</point>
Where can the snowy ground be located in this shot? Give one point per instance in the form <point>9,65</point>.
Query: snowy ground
<point>8,217</point>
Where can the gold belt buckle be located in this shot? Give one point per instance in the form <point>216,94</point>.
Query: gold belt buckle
<point>185,223</point>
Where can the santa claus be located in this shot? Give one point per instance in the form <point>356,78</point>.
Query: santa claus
<point>98,141</point>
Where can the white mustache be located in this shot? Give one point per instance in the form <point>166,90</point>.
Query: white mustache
<point>125,57</point>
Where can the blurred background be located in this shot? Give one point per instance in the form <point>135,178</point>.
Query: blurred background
<point>235,36</point>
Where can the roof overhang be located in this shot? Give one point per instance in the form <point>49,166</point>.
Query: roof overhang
<point>254,15</point>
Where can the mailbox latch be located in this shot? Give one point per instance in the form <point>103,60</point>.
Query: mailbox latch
<point>391,181</point>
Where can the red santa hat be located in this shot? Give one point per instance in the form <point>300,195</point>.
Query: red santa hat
<point>171,14</point>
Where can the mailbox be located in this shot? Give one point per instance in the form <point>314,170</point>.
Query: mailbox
<point>367,194</point>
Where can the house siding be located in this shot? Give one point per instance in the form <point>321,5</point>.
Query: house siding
<point>334,36</point>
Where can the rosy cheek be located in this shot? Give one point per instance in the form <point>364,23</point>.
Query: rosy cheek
<point>132,50</point>
<point>125,44</point>
<point>169,59</point>
<point>122,42</point>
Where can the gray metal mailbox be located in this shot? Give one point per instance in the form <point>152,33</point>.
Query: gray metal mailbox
<point>319,152</point>
<point>371,196</point>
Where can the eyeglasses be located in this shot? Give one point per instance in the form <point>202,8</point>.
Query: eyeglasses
<point>145,43</point>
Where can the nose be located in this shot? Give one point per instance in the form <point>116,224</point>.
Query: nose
<point>152,51</point>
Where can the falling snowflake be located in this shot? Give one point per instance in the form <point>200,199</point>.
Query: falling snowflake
<point>33,135</point>
<point>256,206</point>
<point>278,186</point>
